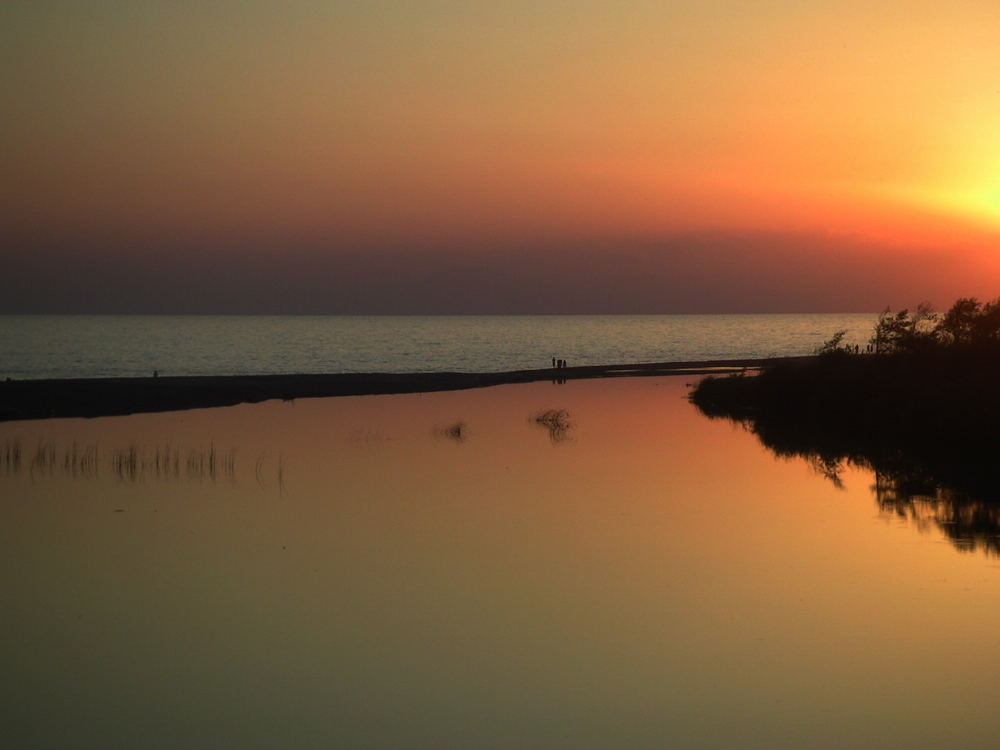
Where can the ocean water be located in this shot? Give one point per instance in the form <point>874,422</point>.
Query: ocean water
<point>60,346</point>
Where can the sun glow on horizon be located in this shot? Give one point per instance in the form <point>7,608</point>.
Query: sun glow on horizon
<point>421,126</point>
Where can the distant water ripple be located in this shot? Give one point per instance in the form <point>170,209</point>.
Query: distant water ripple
<point>58,346</point>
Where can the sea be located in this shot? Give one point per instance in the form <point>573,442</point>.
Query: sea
<point>97,346</point>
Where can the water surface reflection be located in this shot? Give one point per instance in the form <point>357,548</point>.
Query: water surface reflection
<point>658,581</point>
<point>946,482</point>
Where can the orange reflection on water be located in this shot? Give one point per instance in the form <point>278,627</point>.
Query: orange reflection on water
<point>650,579</point>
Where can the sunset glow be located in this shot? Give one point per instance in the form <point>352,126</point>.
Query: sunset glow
<point>418,128</point>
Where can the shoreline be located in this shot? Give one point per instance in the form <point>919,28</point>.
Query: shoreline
<point>104,397</point>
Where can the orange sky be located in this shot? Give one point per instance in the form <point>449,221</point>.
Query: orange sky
<point>318,130</point>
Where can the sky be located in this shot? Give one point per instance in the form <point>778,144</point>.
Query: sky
<point>542,156</point>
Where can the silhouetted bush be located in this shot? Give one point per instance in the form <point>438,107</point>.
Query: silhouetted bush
<point>922,411</point>
<point>969,325</point>
<point>834,346</point>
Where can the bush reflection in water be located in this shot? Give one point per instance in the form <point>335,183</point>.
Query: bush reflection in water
<point>932,480</point>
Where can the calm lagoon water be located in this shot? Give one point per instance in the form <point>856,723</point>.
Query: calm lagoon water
<point>361,573</point>
<point>61,346</point>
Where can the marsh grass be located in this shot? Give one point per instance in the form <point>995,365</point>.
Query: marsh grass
<point>131,463</point>
<point>80,461</point>
<point>261,474</point>
<point>258,471</point>
<point>10,457</point>
<point>457,432</point>
<point>127,464</point>
<point>557,422</point>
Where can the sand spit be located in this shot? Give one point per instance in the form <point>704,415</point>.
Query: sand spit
<point>96,397</point>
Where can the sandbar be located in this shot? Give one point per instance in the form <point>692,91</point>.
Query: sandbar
<point>97,397</point>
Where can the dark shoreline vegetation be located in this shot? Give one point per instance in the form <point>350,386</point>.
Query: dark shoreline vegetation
<point>99,397</point>
<point>920,407</point>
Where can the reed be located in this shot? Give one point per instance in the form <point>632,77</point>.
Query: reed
<point>556,421</point>
<point>44,460</point>
<point>10,457</point>
<point>127,464</point>
<point>458,432</point>
<point>130,463</point>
